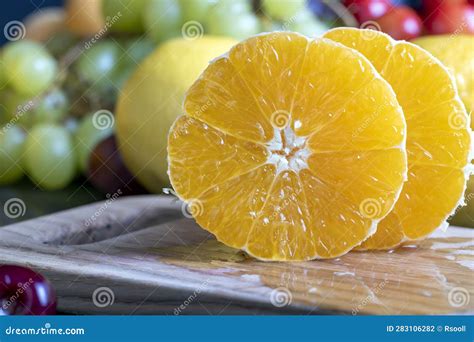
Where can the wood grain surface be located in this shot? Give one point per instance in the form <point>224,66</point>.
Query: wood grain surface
<point>139,255</point>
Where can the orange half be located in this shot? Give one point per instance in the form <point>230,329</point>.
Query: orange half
<point>439,135</point>
<point>289,149</point>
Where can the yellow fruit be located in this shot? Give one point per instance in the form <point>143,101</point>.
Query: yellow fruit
<point>152,99</point>
<point>279,153</point>
<point>84,17</point>
<point>439,137</point>
<point>457,53</point>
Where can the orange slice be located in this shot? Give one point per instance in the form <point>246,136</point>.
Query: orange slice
<point>290,149</point>
<point>439,137</point>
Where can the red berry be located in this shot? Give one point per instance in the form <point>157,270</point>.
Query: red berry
<point>25,292</point>
<point>365,10</point>
<point>430,6</point>
<point>401,23</point>
<point>451,19</point>
<point>108,173</point>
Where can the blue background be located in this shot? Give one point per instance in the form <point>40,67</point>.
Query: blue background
<point>19,9</point>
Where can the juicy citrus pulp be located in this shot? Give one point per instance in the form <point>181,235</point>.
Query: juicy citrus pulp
<point>439,138</point>
<point>290,149</point>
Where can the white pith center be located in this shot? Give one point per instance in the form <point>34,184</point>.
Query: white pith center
<point>287,151</point>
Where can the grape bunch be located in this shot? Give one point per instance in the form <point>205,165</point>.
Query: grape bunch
<point>165,19</point>
<point>42,133</point>
<point>59,84</point>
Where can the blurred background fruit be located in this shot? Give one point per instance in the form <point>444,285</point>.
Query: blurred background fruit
<point>107,172</point>
<point>457,53</point>
<point>11,148</point>
<point>401,23</point>
<point>130,13</point>
<point>89,133</point>
<point>151,101</point>
<point>169,25</point>
<point>365,10</point>
<point>29,67</point>
<point>84,17</point>
<point>40,26</point>
<point>450,18</point>
<point>49,157</point>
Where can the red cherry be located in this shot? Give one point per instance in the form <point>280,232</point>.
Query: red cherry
<point>401,23</point>
<point>451,19</point>
<point>25,292</point>
<point>108,173</point>
<point>430,6</point>
<point>365,10</point>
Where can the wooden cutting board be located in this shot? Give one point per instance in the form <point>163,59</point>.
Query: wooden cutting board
<point>139,255</point>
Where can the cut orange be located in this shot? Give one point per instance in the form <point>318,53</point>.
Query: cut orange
<point>439,137</point>
<point>290,149</point>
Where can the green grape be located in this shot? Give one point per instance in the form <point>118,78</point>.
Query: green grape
<point>138,49</point>
<point>49,156</point>
<point>3,115</point>
<point>268,25</point>
<point>3,76</point>
<point>121,75</point>
<point>52,107</point>
<point>88,135</point>
<point>162,19</point>
<point>283,10</point>
<point>97,64</point>
<point>12,139</point>
<point>306,23</point>
<point>18,108</point>
<point>195,9</point>
<point>128,15</point>
<point>29,67</point>
<point>72,125</point>
<point>59,43</point>
<point>231,7</point>
<point>224,22</point>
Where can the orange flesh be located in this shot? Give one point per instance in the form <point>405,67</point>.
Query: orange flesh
<point>290,149</point>
<point>439,138</point>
